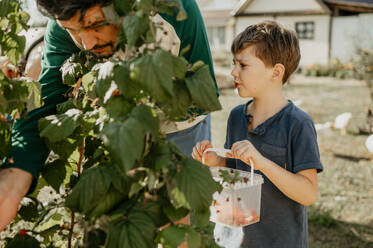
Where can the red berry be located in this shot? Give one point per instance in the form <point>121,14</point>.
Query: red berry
<point>23,232</point>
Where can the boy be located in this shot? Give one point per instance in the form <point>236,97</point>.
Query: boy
<point>276,135</point>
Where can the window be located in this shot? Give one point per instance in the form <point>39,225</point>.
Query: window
<point>216,35</point>
<point>305,30</point>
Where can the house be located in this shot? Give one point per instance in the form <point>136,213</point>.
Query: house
<point>326,28</point>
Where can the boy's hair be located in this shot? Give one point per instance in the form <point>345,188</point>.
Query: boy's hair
<point>273,45</point>
<point>64,10</point>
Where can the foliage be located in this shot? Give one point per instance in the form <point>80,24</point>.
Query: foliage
<point>13,92</point>
<point>364,68</point>
<point>335,69</point>
<point>116,180</point>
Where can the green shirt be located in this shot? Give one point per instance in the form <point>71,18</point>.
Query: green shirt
<point>29,151</point>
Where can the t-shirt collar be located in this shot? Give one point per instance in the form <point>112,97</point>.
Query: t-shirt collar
<point>261,129</point>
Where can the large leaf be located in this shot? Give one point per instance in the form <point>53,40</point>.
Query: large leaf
<point>90,189</point>
<point>71,72</point>
<point>23,241</point>
<point>54,173</point>
<point>202,89</point>
<point>146,117</point>
<point>123,6</point>
<point>137,231</point>
<point>155,73</point>
<point>5,138</point>
<point>125,140</point>
<point>58,127</point>
<point>108,201</point>
<point>172,236</point>
<point>29,212</point>
<point>134,27</point>
<point>178,106</point>
<point>118,107</point>
<point>197,184</point>
<point>126,85</point>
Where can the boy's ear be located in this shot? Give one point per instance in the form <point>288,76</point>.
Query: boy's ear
<point>278,72</point>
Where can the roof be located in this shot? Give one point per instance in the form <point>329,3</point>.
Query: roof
<point>351,5</point>
<point>244,4</point>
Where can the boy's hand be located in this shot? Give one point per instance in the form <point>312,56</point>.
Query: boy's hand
<point>211,158</point>
<point>246,151</point>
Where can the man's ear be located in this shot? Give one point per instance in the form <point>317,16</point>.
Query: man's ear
<point>278,72</point>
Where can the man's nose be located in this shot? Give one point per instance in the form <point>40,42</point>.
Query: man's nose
<point>89,39</point>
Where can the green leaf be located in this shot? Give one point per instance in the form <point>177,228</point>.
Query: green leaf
<point>193,238</point>
<point>126,85</point>
<point>63,107</point>
<point>34,96</point>
<point>54,173</point>
<point>125,142</point>
<point>178,199</point>
<point>5,139</point>
<point>137,231</point>
<point>71,72</point>
<point>90,189</point>
<point>173,213</point>
<point>29,212</point>
<point>23,241</point>
<point>149,121</point>
<point>118,106</point>
<point>155,73</point>
<point>202,89</point>
<point>135,188</point>
<point>94,238</point>
<point>172,236</point>
<point>108,201</point>
<point>134,27</point>
<point>197,184</point>
<point>178,106</point>
<point>123,6</point>
<point>180,66</point>
<point>58,127</point>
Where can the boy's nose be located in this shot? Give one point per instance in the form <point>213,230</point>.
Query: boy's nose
<point>234,72</point>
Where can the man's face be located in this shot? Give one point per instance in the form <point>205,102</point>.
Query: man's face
<point>93,31</point>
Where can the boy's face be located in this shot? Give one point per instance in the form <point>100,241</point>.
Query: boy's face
<point>251,77</point>
<point>93,32</point>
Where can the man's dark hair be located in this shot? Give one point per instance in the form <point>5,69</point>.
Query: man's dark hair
<point>65,9</point>
<point>273,45</point>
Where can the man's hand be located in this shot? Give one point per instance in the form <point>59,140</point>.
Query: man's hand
<point>14,184</point>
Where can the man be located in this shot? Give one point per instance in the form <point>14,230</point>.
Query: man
<point>86,24</point>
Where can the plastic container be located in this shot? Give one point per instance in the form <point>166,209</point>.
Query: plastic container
<point>238,204</point>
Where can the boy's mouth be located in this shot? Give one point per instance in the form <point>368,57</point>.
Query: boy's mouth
<point>236,84</point>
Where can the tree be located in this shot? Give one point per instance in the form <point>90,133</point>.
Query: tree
<point>117,180</point>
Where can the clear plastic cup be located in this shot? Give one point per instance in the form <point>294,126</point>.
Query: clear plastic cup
<point>238,204</point>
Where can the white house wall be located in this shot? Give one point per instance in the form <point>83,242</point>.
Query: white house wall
<point>261,6</point>
<point>350,32</point>
<point>312,51</point>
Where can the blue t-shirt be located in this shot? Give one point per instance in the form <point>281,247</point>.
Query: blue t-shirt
<point>289,139</point>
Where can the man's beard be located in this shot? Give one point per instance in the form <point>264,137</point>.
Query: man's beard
<point>114,48</point>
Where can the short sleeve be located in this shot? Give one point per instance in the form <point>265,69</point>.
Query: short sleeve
<point>304,147</point>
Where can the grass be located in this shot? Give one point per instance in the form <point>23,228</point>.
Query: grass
<point>342,216</point>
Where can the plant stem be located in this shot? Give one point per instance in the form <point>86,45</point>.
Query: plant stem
<point>81,154</point>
